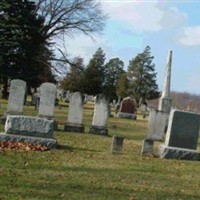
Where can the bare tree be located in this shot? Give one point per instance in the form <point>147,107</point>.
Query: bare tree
<point>69,16</point>
<point>66,18</point>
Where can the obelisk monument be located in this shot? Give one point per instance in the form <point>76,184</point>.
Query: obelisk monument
<point>165,100</point>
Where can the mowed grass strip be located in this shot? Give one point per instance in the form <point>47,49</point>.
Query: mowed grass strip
<point>83,167</point>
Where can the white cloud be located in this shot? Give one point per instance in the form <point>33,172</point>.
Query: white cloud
<point>190,36</point>
<point>85,47</point>
<point>173,18</point>
<point>146,16</point>
<point>142,16</point>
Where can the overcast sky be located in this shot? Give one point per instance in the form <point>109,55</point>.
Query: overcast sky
<point>163,25</point>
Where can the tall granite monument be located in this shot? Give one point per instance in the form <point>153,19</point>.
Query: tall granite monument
<point>165,100</point>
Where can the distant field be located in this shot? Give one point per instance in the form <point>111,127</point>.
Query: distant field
<point>83,168</point>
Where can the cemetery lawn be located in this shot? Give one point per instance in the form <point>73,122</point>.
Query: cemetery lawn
<point>83,168</point>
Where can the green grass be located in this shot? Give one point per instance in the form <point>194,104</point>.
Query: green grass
<point>82,168</point>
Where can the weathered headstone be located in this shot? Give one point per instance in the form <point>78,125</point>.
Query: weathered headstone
<point>34,130</point>
<point>147,147</point>
<point>127,108</point>
<point>165,100</point>
<point>75,114</point>
<point>16,97</point>
<point>29,126</point>
<point>156,125</point>
<point>182,136</point>
<point>100,116</point>
<point>155,131</point>
<point>117,144</point>
<point>47,100</point>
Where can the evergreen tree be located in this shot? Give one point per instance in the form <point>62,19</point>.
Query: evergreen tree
<point>93,76</point>
<point>122,86</point>
<point>23,49</point>
<point>113,70</point>
<point>142,75</point>
<point>73,79</point>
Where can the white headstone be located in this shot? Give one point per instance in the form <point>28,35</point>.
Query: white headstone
<point>75,114</point>
<point>47,99</point>
<point>100,111</point>
<point>156,125</point>
<point>16,97</point>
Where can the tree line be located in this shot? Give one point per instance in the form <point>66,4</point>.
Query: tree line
<point>181,100</point>
<point>111,79</point>
<point>27,50</point>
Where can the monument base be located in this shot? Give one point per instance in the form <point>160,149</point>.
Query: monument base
<point>48,142</point>
<point>126,115</point>
<point>165,104</point>
<point>99,130</point>
<point>178,153</point>
<point>79,128</point>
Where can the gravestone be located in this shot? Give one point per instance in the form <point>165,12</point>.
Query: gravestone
<point>100,116</point>
<point>147,147</point>
<point>47,100</point>
<point>155,131</point>
<point>117,144</point>
<point>29,126</point>
<point>127,108</point>
<point>75,114</point>
<point>156,125</point>
<point>182,136</point>
<point>26,129</point>
<point>16,97</point>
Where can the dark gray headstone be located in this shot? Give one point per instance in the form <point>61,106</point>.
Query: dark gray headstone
<point>182,136</point>
<point>183,129</point>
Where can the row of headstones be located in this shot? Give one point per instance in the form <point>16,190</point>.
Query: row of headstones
<point>27,128</point>
<point>180,129</point>
<point>17,95</point>
<point>75,114</point>
<point>40,129</point>
<point>46,107</point>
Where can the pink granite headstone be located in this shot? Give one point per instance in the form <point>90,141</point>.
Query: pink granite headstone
<point>128,108</point>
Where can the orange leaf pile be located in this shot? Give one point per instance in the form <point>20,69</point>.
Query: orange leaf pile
<point>22,146</point>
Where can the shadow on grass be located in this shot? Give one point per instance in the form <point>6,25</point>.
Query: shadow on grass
<point>70,148</point>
